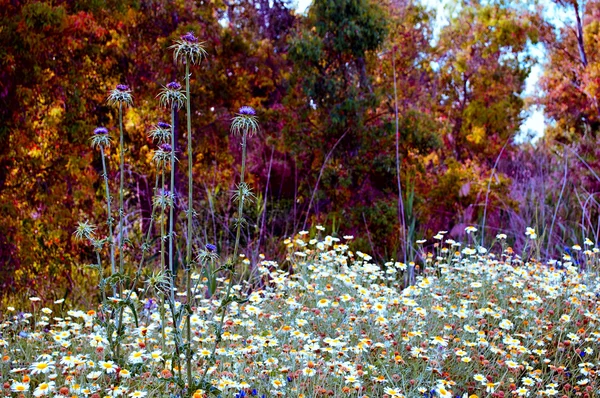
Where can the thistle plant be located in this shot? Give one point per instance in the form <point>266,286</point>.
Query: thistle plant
<point>163,198</point>
<point>101,140</point>
<point>120,96</point>
<point>188,50</point>
<point>244,124</point>
<point>171,96</point>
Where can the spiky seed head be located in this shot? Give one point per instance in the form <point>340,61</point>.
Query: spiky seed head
<point>208,253</point>
<point>171,95</point>
<point>85,230</point>
<point>163,199</point>
<point>100,138</point>
<point>188,48</point>
<point>161,132</point>
<point>245,122</point>
<point>162,156</point>
<point>120,95</point>
<point>158,278</point>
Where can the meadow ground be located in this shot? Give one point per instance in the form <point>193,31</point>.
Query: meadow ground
<point>331,322</point>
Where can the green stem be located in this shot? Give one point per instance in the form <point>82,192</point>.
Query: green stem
<point>101,272</point>
<point>109,219</point>
<point>219,329</point>
<point>122,175</point>
<point>145,248</point>
<point>171,208</point>
<point>188,256</point>
<point>171,233</point>
<point>162,224</point>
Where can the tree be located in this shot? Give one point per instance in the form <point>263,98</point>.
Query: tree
<point>571,80</point>
<point>332,91</point>
<point>483,64</point>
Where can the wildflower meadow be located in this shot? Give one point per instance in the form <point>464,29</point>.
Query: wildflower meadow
<point>330,322</point>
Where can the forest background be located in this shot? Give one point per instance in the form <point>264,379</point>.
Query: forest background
<point>371,125</point>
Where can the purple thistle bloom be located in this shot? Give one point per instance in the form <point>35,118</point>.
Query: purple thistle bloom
<point>174,86</point>
<point>100,130</point>
<point>211,248</point>
<point>166,147</point>
<point>164,125</point>
<point>122,87</point>
<point>247,111</point>
<point>189,38</point>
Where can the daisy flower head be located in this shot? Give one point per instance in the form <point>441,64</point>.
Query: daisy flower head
<point>393,392</point>
<point>19,387</point>
<point>41,367</point>
<point>506,324</point>
<point>44,389</point>
<point>531,233</point>
<point>108,366</point>
<point>138,394</point>
<point>309,372</point>
<point>136,357</point>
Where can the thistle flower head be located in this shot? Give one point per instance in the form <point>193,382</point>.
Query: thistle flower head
<point>188,48</point>
<point>100,138</point>
<point>189,38</point>
<point>172,96</point>
<point>174,86</point>
<point>162,156</point>
<point>247,111</point>
<point>85,230</point>
<point>161,132</point>
<point>157,279</point>
<point>120,95</point>
<point>245,121</point>
<point>163,199</point>
<point>208,253</point>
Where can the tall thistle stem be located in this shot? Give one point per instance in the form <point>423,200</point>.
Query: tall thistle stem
<point>109,219</point>
<point>188,256</point>
<point>244,123</point>
<point>171,208</point>
<point>172,97</point>
<point>188,50</point>
<point>120,95</point>
<point>122,178</point>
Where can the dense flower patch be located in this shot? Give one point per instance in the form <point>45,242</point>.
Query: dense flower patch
<point>331,322</point>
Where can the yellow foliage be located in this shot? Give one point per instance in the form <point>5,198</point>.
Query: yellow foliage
<point>477,135</point>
